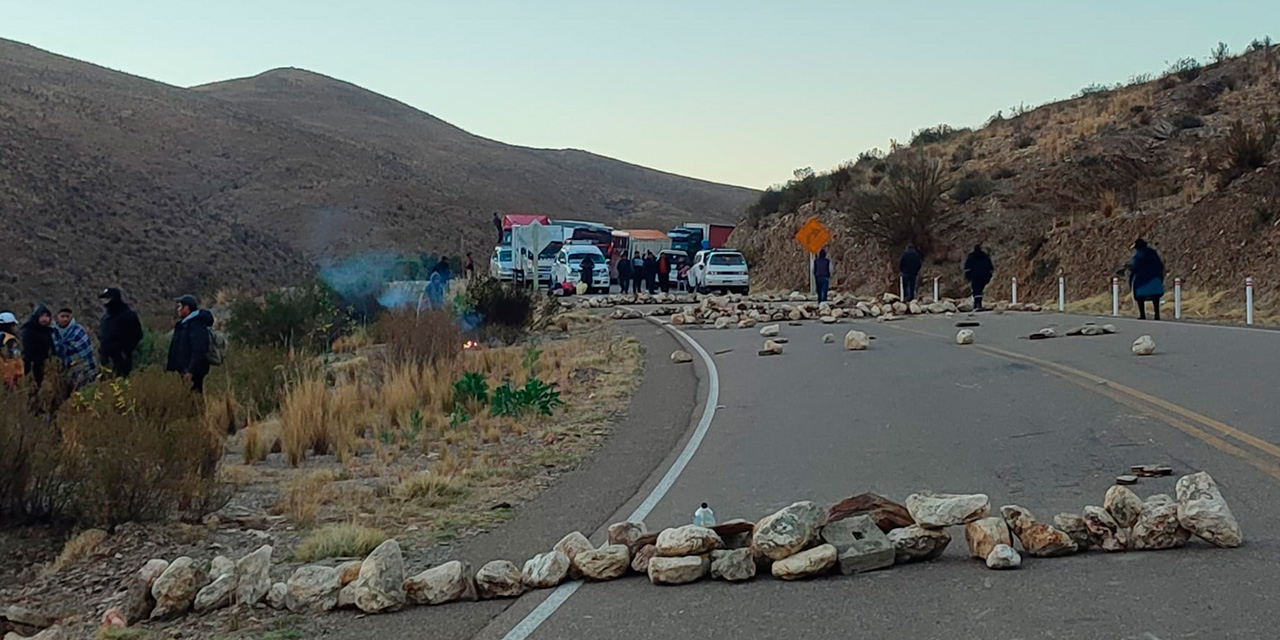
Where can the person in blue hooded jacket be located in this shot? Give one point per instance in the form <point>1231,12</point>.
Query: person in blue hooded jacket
<point>189,348</point>
<point>1146,278</point>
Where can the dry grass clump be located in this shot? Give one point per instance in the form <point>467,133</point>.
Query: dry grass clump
<point>304,496</point>
<point>432,489</point>
<point>339,541</point>
<point>260,439</point>
<point>79,547</point>
<point>428,337</point>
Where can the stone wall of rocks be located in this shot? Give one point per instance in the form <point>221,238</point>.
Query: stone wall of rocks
<point>862,533</point>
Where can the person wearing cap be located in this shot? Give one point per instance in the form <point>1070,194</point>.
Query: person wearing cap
<point>72,344</point>
<point>189,348</point>
<point>37,343</point>
<point>10,351</point>
<point>118,334</point>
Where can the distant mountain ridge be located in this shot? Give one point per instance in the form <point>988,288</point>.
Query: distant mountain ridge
<point>108,178</point>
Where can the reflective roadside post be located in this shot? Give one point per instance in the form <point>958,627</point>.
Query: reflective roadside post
<point>1115,296</point>
<point>1177,298</point>
<point>1062,294</point>
<point>902,286</point>
<point>1248,300</point>
<point>1015,291</point>
<point>935,288</point>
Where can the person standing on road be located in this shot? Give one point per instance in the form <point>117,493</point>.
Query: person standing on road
<point>637,272</point>
<point>118,334</point>
<point>624,273</point>
<point>587,271</point>
<point>10,351</point>
<point>822,274</point>
<point>664,274</point>
<point>978,270</point>
<point>1146,278</point>
<point>72,344</point>
<point>650,272</point>
<point>189,348</point>
<point>37,343</point>
<point>909,266</point>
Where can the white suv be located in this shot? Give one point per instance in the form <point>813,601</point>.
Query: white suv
<point>719,269</point>
<point>501,266</point>
<point>568,267</point>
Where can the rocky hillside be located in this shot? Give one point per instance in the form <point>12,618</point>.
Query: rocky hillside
<point>107,178</point>
<point>1187,160</point>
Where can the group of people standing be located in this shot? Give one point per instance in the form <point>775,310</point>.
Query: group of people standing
<point>1145,274</point>
<point>648,272</point>
<point>26,350</point>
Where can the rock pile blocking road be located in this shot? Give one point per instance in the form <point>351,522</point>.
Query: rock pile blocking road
<point>804,540</point>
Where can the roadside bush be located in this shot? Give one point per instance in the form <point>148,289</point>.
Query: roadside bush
<point>904,208</point>
<point>504,308</point>
<point>1185,69</point>
<point>940,133</point>
<point>308,318</point>
<point>973,185</point>
<point>32,484</point>
<point>339,541</point>
<point>1093,90</point>
<point>254,376</point>
<point>428,337</point>
<point>1246,148</point>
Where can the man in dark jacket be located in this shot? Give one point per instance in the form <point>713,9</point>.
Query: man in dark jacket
<point>37,343</point>
<point>978,270</point>
<point>624,273</point>
<point>189,348</point>
<point>118,334</point>
<point>497,224</point>
<point>650,272</point>
<point>909,266</point>
<point>822,274</point>
<point>1146,277</point>
<point>587,271</point>
<point>664,273</point>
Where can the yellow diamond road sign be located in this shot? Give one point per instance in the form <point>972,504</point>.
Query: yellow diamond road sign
<point>813,236</point>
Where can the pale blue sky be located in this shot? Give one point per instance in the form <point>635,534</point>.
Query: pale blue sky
<point>740,92</point>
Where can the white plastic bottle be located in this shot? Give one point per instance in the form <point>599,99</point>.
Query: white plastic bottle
<point>704,517</point>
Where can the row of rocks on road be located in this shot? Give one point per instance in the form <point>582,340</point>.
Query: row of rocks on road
<point>863,533</point>
<point>743,312</point>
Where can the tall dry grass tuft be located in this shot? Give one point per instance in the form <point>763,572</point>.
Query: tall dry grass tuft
<point>432,489</point>
<point>400,391</point>
<point>427,337</point>
<point>304,496</point>
<point>303,418</point>
<point>347,419</point>
<point>339,541</point>
<point>260,439</point>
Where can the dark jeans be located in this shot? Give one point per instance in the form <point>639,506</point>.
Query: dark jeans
<point>586,276</point>
<point>909,282</point>
<point>121,364</point>
<point>635,283</point>
<point>823,282</point>
<point>978,288</point>
<point>1142,306</point>
<point>664,282</point>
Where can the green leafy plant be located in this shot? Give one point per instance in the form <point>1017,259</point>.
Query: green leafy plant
<point>472,387</point>
<point>539,395</point>
<point>532,354</point>
<point>504,402</point>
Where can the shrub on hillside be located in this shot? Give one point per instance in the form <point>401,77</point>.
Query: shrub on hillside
<point>504,308</point>
<point>1003,173</point>
<point>973,185</point>
<point>427,337</point>
<point>1185,69</point>
<point>1188,121</point>
<point>904,208</point>
<point>1093,90</point>
<point>308,318</point>
<point>253,376</point>
<point>1246,149</point>
<point>940,133</point>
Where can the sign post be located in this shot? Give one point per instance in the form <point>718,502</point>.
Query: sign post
<point>813,236</point>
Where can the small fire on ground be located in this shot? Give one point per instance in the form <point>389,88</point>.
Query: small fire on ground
<point>470,344</point>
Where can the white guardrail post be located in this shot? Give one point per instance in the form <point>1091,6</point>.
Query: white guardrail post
<point>1248,300</point>
<point>1015,291</point>
<point>1177,298</point>
<point>935,288</point>
<point>1062,293</point>
<point>1115,296</point>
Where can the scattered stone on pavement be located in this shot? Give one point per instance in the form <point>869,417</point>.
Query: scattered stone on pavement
<point>1144,346</point>
<point>606,563</point>
<point>499,579</point>
<point>1106,533</point>
<point>688,540</point>
<point>983,535</point>
<point>1203,511</point>
<point>680,356</point>
<point>1003,556</point>
<point>626,533</point>
<point>1158,527</point>
<point>918,543</point>
<point>1018,518</point>
<point>860,544</point>
<point>1073,525</point>
<point>1127,479</point>
<point>805,564</point>
<point>672,571</point>
<point>828,338</point>
<point>640,563</point>
<point>545,570</point>
<point>1046,541</point>
<point>379,586</point>
<point>735,534</point>
<point>788,531</point>
<point>964,336</point>
<point>887,514</point>
<point>312,589</point>
<point>771,348</point>
<point>571,544</point>
<point>770,330</point>
<point>1123,504</point>
<point>446,583</point>
<point>856,341</point>
<point>733,565</point>
<point>947,509</point>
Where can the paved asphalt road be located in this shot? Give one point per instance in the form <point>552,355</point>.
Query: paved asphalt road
<point>1045,424</point>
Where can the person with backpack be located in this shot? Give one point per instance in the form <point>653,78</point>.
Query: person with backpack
<point>119,333</point>
<point>978,270</point>
<point>192,342</point>
<point>72,344</point>
<point>10,351</point>
<point>1146,278</point>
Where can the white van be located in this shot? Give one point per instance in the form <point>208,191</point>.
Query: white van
<point>719,269</point>
<point>568,267</point>
<point>501,266</point>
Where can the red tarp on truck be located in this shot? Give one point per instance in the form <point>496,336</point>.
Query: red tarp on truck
<point>521,219</point>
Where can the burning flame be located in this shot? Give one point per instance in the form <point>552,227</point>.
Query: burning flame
<point>470,344</point>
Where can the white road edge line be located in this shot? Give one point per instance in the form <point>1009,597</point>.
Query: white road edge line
<point>531,622</point>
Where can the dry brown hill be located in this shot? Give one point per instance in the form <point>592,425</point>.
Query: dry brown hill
<point>108,178</point>
<point>1188,160</point>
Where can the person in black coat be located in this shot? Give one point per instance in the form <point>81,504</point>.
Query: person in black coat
<point>118,334</point>
<point>822,274</point>
<point>37,336</point>
<point>1146,278</point>
<point>624,273</point>
<point>650,272</point>
<point>978,270</point>
<point>909,266</point>
<point>189,348</point>
<point>587,271</point>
